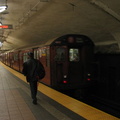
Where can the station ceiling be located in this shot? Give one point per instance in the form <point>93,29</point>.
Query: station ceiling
<point>37,21</point>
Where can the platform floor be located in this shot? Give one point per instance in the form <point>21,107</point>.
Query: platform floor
<point>16,102</point>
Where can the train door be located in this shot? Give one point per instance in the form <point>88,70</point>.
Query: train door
<point>16,60</point>
<point>8,59</point>
<point>11,60</point>
<point>21,61</point>
<point>75,72</point>
<point>59,65</point>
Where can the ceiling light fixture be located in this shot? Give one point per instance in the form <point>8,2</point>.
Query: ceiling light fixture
<point>3,8</point>
<point>1,44</point>
<point>0,23</point>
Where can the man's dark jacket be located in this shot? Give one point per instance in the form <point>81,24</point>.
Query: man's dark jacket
<point>29,68</point>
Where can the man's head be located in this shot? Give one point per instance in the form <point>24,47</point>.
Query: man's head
<point>30,55</point>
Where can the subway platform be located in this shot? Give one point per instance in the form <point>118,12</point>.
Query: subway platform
<point>16,102</point>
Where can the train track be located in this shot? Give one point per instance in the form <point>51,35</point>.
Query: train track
<point>105,105</point>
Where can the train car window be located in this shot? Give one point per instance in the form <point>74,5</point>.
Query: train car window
<point>60,54</point>
<point>43,51</point>
<point>74,55</point>
<point>40,53</point>
<point>25,57</point>
<point>37,54</point>
<point>47,58</point>
<point>15,57</point>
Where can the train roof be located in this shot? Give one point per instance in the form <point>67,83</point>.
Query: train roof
<point>83,38</point>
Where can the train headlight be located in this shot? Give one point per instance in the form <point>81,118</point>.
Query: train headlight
<point>89,77</point>
<point>89,74</point>
<point>65,76</point>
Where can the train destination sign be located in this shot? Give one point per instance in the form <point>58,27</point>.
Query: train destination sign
<point>6,26</point>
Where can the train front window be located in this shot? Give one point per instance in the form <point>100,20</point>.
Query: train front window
<point>74,55</point>
<point>60,54</point>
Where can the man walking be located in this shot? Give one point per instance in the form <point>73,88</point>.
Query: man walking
<point>31,68</point>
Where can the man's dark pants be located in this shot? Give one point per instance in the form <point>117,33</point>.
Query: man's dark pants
<point>33,88</point>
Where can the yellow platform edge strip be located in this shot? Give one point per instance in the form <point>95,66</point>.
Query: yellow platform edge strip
<point>82,109</point>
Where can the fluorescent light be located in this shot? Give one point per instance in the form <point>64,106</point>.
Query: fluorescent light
<point>2,8</point>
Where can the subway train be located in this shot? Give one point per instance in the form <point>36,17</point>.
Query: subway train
<point>67,61</point>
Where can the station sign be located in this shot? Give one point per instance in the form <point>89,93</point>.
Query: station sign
<point>5,26</point>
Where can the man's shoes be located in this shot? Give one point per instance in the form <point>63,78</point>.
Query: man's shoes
<point>35,102</point>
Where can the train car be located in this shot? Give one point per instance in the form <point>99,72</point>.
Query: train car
<point>15,58</point>
<point>67,61</point>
